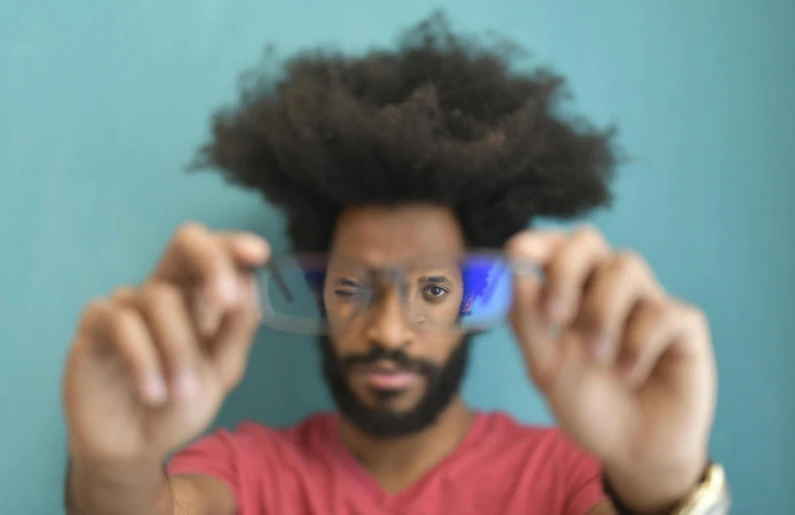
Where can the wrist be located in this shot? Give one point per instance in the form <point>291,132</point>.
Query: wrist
<point>114,488</point>
<point>654,489</point>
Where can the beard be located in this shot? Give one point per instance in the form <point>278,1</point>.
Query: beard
<point>442,384</point>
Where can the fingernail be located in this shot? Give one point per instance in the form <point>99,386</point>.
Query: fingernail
<point>600,349</point>
<point>186,384</point>
<point>155,389</point>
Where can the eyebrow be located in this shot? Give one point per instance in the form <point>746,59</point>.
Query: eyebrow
<point>434,279</point>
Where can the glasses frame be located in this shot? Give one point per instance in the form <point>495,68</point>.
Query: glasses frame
<point>301,326</point>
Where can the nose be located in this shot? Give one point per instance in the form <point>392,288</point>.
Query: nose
<point>386,325</point>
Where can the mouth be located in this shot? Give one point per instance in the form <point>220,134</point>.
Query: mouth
<point>386,376</point>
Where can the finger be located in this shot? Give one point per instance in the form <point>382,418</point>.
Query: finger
<point>616,288</point>
<point>536,247</point>
<point>648,335</point>
<point>128,335</point>
<point>123,295</point>
<point>248,250</point>
<point>568,272</point>
<point>533,331</point>
<point>201,262</point>
<point>656,330</point>
<point>232,345</point>
<point>164,308</point>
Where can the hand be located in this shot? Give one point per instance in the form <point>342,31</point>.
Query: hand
<point>627,370</point>
<point>151,366</point>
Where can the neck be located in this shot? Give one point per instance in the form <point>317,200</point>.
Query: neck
<point>398,462</point>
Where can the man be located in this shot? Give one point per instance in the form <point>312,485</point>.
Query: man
<point>436,149</point>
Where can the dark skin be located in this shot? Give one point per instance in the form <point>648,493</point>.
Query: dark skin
<point>381,237</point>
<point>151,365</point>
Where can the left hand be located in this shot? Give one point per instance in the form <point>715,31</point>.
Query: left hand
<point>630,373</point>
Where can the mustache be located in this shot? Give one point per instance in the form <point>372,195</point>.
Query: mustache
<point>399,357</point>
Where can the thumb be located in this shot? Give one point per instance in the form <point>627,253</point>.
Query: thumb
<point>232,345</point>
<point>536,334</point>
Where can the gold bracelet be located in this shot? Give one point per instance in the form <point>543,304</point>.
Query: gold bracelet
<point>711,497</point>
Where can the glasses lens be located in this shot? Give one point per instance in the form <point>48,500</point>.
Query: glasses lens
<point>470,294</point>
<point>291,292</point>
<point>312,295</point>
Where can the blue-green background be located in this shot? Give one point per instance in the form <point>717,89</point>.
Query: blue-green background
<point>103,103</point>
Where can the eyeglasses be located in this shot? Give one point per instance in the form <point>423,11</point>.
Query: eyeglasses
<point>314,294</point>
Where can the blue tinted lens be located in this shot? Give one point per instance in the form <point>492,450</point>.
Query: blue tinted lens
<point>488,291</point>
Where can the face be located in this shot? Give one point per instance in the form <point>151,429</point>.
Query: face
<point>395,366</point>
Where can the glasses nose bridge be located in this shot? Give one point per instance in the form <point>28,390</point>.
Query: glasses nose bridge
<point>387,320</point>
<point>390,290</point>
<point>392,277</point>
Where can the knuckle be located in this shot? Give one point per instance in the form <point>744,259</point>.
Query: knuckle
<point>94,315</point>
<point>518,242</point>
<point>188,233</point>
<point>629,260</point>
<point>122,294</point>
<point>156,293</point>
<point>694,315</point>
<point>120,320</point>
<point>671,310</point>
<point>589,234</point>
<point>96,307</point>
<point>655,311</point>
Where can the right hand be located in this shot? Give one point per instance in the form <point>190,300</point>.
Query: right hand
<point>150,366</point>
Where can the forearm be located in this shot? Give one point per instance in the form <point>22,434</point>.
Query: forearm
<point>140,490</point>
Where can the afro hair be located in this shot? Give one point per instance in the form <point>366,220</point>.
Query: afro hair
<point>443,118</point>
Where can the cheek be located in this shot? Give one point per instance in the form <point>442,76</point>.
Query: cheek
<point>438,348</point>
<point>350,341</point>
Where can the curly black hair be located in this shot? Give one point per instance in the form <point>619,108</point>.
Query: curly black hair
<point>444,119</point>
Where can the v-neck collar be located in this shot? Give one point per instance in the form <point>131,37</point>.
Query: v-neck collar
<point>372,487</point>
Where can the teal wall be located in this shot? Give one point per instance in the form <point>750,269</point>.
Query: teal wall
<point>103,103</point>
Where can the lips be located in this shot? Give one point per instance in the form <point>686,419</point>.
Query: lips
<point>387,376</point>
<point>390,380</point>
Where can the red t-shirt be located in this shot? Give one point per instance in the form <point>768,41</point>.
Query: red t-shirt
<point>501,467</point>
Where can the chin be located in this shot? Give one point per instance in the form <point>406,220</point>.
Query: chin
<point>396,402</point>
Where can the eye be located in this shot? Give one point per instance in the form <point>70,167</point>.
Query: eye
<point>434,291</point>
<point>349,289</point>
<point>345,293</point>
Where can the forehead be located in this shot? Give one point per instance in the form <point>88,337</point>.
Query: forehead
<point>381,235</point>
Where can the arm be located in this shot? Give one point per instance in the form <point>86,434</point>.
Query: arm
<point>147,490</point>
